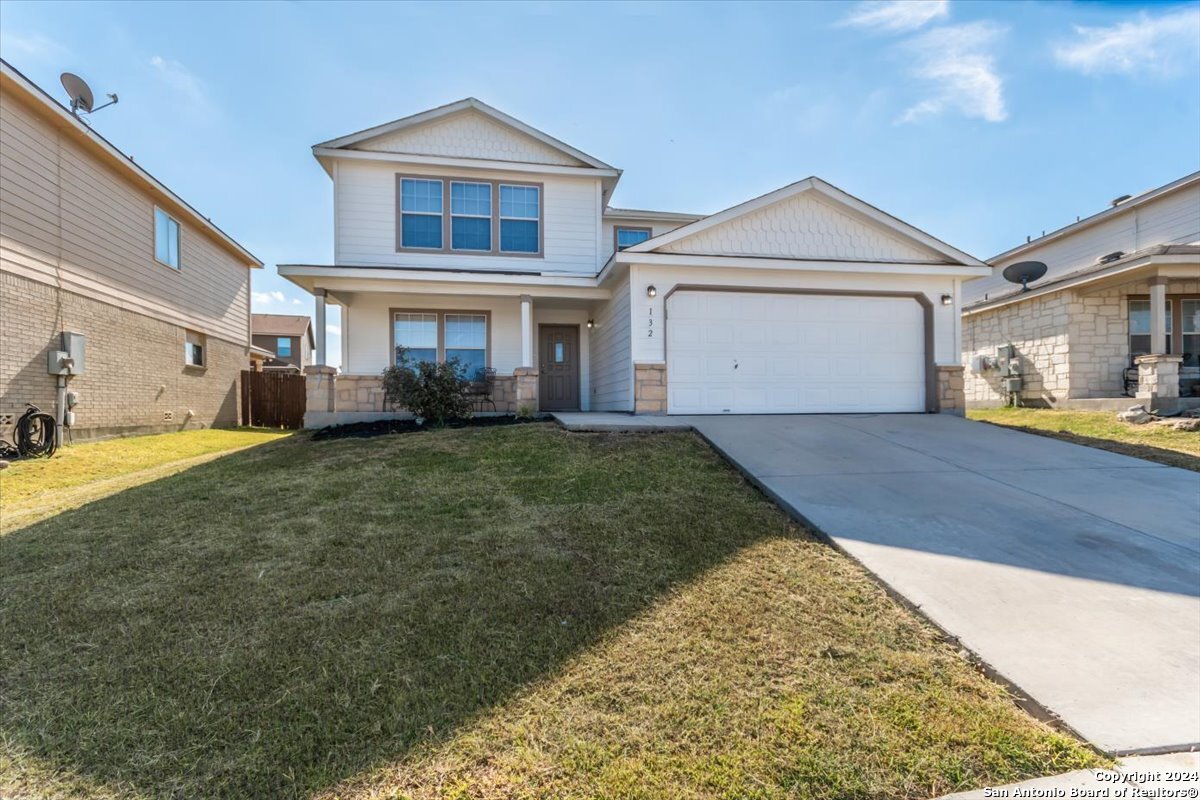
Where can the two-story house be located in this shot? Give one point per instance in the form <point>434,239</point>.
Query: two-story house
<point>93,244</point>
<point>1121,286</point>
<point>287,337</point>
<point>462,232</point>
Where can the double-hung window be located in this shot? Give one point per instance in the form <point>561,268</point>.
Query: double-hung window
<point>628,237</point>
<point>520,219</point>
<point>1189,329</point>
<point>283,346</point>
<point>166,238</point>
<point>1139,327</point>
<point>421,213</point>
<point>193,349</point>
<point>470,216</point>
<point>440,336</point>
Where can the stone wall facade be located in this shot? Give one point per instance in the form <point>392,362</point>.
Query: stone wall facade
<point>331,393</point>
<point>650,388</point>
<point>950,389</point>
<point>134,380</point>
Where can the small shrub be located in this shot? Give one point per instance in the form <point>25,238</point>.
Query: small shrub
<point>434,392</point>
<point>524,411</point>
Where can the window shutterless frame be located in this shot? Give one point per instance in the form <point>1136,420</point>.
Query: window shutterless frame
<point>447,215</point>
<point>440,314</point>
<point>617,235</point>
<point>401,213</point>
<point>167,240</point>
<point>1174,320</point>
<point>470,207</point>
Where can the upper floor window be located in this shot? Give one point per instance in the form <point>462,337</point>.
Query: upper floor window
<point>283,346</point>
<point>470,216</point>
<point>628,237</point>
<point>520,219</point>
<point>166,238</point>
<point>421,213</point>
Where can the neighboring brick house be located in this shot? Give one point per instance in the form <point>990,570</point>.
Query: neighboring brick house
<point>1121,285</point>
<point>93,244</point>
<point>288,336</point>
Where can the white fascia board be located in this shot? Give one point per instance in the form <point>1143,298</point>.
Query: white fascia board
<point>638,214</point>
<point>754,262</point>
<point>1171,266</point>
<point>402,280</point>
<point>465,163</point>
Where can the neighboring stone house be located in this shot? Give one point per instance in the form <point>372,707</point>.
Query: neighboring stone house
<point>1121,286</point>
<point>289,337</point>
<point>464,233</point>
<point>91,243</point>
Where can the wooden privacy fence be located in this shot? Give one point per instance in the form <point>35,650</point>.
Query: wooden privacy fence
<point>273,399</point>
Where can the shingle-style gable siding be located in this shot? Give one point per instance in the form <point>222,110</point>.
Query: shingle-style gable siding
<point>802,226</point>
<point>469,135</point>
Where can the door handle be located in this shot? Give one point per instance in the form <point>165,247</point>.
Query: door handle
<point>735,364</point>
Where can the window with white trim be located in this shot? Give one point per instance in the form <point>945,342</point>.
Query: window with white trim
<point>166,239</point>
<point>1139,327</point>
<point>283,346</point>
<point>520,215</point>
<point>193,349</point>
<point>470,216</point>
<point>628,237</point>
<point>466,339</point>
<point>418,334</point>
<point>421,213</point>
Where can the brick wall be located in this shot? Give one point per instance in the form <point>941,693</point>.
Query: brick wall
<point>650,388</point>
<point>134,373</point>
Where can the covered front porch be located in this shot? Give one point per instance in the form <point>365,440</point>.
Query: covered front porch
<point>525,340</point>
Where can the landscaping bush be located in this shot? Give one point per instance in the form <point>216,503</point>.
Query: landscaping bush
<point>435,392</point>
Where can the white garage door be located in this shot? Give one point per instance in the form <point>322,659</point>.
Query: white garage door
<point>754,353</point>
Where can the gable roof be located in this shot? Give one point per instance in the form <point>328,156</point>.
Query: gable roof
<point>13,79</point>
<point>857,208</point>
<point>281,325</point>
<point>466,104</point>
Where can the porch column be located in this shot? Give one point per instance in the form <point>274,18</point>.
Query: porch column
<point>526,331</point>
<point>1158,315</point>
<point>319,295</point>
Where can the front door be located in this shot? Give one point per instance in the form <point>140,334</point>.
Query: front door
<point>558,362</point>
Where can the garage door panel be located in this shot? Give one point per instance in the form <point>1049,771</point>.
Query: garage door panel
<point>793,353</point>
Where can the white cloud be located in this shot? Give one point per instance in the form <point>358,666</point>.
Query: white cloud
<point>333,330</point>
<point>958,64</point>
<point>896,16</point>
<point>191,90</point>
<point>267,298</point>
<point>30,47</point>
<point>296,301</point>
<point>1151,45</point>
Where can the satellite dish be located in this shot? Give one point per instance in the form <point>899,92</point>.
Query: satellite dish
<point>1023,272</point>
<point>79,92</point>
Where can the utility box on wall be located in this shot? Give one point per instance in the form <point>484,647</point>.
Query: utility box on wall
<point>70,359</point>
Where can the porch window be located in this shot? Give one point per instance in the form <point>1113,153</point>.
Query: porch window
<point>418,333</point>
<point>1139,327</point>
<point>520,215</point>
<point>421,213</point>
<point>1189,329</point>
<point>470,216</point>
<point>466,340</point>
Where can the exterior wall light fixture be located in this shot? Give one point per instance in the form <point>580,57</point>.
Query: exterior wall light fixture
<point>651,291</point>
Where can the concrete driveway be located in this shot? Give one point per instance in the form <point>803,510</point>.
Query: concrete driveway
<point>1073,572</point>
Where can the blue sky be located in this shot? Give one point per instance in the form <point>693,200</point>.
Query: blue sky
<point>980,122</point>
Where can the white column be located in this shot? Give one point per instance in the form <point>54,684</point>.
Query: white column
<point>319,294</point>
<point>1158,316</point>
<point>526,331</point>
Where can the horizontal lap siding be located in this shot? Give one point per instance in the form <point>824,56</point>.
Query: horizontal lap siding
<point>611,361</point>
<point>106,243</point>
<point>366,221</point>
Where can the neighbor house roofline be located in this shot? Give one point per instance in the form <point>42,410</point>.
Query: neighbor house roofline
<point>13,79</point>
<point>638,213</point>
<point>1095,219</point>
<point>468,103</point>
<point>282,325</point>
<point>860,207</point>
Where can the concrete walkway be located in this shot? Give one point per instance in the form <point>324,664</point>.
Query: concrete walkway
<point>1153,776</point>
<point>1073,572</point>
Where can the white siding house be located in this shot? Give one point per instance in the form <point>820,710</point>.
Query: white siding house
<point>464,233</point>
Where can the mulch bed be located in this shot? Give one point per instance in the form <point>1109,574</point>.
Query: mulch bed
<point>385,427</point>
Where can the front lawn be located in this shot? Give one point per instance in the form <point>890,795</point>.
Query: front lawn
<point>1102,429</point>
<point>476,613</point>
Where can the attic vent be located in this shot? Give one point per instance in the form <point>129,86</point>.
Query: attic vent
<point>1116,201</point>
<point>1111,257</point>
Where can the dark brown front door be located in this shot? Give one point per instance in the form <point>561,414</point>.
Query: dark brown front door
<point>558,383</point>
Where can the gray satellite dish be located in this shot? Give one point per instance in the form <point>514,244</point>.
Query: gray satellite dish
<point>1023,272</point>
<point>81,94</point>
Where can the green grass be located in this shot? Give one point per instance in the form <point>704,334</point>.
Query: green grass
<point>37,488</point>
<point>1102,429</point>
<point>504,612</point>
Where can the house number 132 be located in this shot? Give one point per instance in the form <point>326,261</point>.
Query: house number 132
<point>650,324</point>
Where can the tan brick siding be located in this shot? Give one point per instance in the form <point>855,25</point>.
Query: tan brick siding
<point>650,388</point>
<point>134,371</point>
<point>951,399</point>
